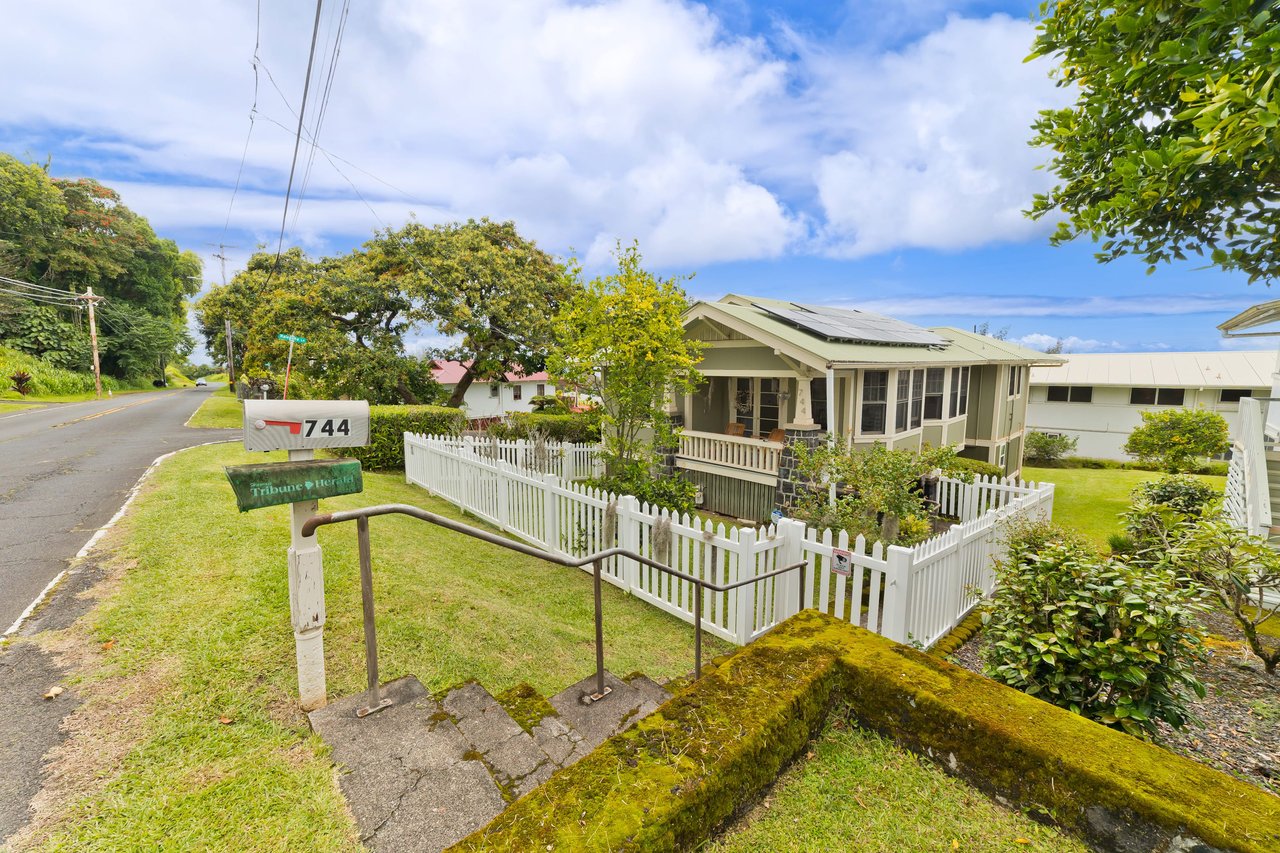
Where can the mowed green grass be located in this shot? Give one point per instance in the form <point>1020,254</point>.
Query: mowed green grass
<point>1090,500</point>
<point>854,790</point>
<point>199,631</point>
<point>218,412</point>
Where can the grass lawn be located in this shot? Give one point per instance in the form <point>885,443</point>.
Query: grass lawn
<point>1090,500</point>
<point>219,411</point>
<point>856,791</point>
<point>189,737</point>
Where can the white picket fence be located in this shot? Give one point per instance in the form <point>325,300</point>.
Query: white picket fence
<point>912,595</point>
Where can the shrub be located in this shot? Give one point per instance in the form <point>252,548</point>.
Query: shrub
<point>1097,636</point>
<point>579,428</point>
<point>1178,439</point>
<point>1042,447</point>
<point>1183,493</point>
<point>963,464</point>
<point>674,493</point>
<point>1160,508</point>
<point>387,426</point>
<point>21,382</point>
<point>549,404</point>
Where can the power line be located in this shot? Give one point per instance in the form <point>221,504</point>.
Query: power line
<point>297,137</point>
<point>39,288</point>
<point>34,298</point>
<point>253,110</point>
<point>324,105</point>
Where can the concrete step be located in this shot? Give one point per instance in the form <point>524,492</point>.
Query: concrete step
<point>422,774</point>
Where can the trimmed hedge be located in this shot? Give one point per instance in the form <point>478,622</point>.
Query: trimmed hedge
<point>573,428</point>
<point>1215,467</point>
<point>667,783</point>
<point>977,466</point>
<point>387,426</point>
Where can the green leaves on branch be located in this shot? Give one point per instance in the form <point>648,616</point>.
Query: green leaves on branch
<point>621,338</point>
<point>1172,144</point>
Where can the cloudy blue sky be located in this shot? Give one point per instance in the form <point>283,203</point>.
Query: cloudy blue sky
<point>867,153</point>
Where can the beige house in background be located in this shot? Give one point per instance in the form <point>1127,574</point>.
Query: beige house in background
<point>776,368</point>
<point>1098,398</point>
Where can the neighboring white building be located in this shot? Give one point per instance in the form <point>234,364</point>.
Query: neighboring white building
<point>494,399</point>
<point>1098,398</point>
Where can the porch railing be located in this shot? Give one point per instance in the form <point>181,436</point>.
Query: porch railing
<point>745,454</point>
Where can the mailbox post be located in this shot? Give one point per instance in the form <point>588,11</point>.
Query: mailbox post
<point>301,427</point>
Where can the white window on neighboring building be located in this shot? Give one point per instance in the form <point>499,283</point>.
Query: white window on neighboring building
<point>542,390</point>
<point>1233,395</point>
<point>1156,396</point>
<point>517,391</point>
<point>1070,394</point>
<point>1002,455</point>
<point>494,389</point>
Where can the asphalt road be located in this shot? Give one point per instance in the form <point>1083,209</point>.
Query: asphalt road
<point>64,472</point>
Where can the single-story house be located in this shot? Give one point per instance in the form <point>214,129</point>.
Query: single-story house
<point>1099,398</point>
<point>780,370</point>
<point>494,399</point>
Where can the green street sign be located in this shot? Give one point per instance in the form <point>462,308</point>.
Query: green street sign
<point>258,486</point>
<point>291,338</point>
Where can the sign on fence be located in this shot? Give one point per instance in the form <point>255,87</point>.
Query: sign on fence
<point>841,561</point>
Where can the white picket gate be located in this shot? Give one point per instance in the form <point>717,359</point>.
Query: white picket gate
<point>912,595</point>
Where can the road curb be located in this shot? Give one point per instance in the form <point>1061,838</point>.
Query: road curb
<point>74,562</point>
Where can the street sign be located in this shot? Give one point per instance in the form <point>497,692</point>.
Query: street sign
<point>305,424</point>
<point>293,339</point>
<point>258,486</point>
<point>841,561</point>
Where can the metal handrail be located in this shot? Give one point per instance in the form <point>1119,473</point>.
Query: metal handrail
<point>362,516</point>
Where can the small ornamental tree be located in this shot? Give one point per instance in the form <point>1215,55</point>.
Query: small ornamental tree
<point>1178,439</point>
<point>1112,642</point>
<point>621,338</point>
<point>877,489</point>
<point>1239,571</point>
<point>21,382</point>
<point>1043,447</point>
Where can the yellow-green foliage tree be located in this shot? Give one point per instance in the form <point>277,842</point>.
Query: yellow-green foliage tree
<point>621,338</point>
<point>1178,439</point>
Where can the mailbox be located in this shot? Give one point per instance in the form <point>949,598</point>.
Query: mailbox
<point>305,424</point>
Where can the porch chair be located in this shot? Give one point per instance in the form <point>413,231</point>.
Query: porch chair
<point>735,429</point>
<point>779,435</point>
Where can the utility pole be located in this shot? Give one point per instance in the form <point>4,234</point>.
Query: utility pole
<point>222,258</point>
<point>88,297</point>
<point>231,362</point>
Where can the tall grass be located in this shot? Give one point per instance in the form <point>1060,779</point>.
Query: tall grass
<point>46,381</point>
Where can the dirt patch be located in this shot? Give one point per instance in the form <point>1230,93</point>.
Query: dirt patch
<point>1239,729</point>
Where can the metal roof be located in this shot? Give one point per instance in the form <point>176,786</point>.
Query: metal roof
<point>754,313</point>
<point>1263,314</point>
<point>1162,370</point>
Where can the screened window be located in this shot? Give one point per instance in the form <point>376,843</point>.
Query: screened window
<point>959,391</point>
<point>903,405</point>
<point>1233,395</point>
<point>875,398</point>
<point>1142,396</point>
<point>744,405</point>
<point>1170,396</point>
<point>1015,381</point>
<point>768,405</point>
<point>1070,393</point>
<point>517,392</point>
<point>917,397</point>
<point>934,379</point>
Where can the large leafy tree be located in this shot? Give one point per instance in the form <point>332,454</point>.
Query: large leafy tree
<point>621,337</point>
<point>483,284</point>
<point>354,320</point>
<point>32,210</point>
<point>1173,143</point>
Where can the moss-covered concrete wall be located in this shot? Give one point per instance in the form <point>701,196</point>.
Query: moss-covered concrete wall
<point>667,783</point>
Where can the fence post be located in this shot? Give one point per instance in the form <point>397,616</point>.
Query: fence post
<point>897,605</point>
<point>787,587</point>
<point>629,538</point>
<point>550,513</point>
<point>744,613</point>
<point>569,452</point>
<point>1046,489</point>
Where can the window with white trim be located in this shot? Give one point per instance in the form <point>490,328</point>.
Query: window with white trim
<point>517,391</point>
<point>875,400</point>
<point>959,391</point>
<point>917,396</point>
<point>902,406</point>
<point>934,379</point>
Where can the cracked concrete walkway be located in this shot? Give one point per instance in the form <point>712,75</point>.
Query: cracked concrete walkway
<point>421,774</point>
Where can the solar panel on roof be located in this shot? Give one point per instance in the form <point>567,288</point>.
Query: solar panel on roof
<point>846,324</point>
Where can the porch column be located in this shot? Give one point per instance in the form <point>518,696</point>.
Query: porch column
<point>804,404</point>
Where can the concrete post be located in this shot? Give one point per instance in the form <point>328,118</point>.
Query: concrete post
<point>306,600</point>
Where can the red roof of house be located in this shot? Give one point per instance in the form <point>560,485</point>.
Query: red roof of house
<point>449,372</point>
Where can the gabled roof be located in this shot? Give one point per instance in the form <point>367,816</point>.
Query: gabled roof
<point>759,318</point>
<point>1162,370</point>
<point>450,372</point>
<point>1263,314</point>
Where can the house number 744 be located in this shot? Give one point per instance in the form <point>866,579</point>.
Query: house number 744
<point>327,427</point>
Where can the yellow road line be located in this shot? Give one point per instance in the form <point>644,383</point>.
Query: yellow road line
<point>111,411</point>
